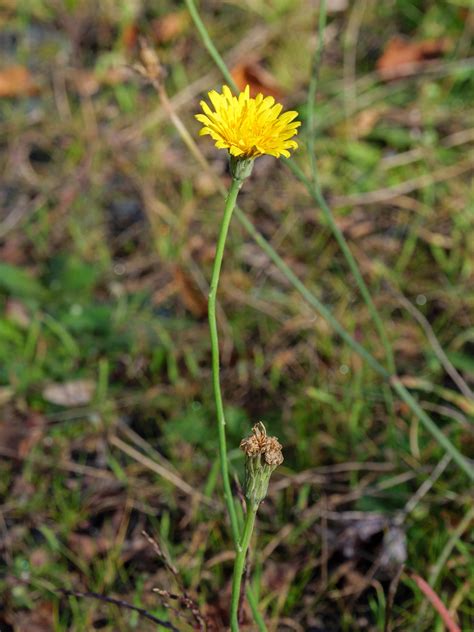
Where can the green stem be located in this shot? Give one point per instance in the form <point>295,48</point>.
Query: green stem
<point>315,192</point>
<point>313,84</point>
<point>394,382</point>
<point>239,565</point>
<point>253,602</point>
<point>229,207</point>
<point>307,295</point>
<point>313,188</point>
<point>432,428</point>
<point>209,44</point>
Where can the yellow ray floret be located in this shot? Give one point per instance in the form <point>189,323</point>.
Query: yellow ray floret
<point>248,127</point>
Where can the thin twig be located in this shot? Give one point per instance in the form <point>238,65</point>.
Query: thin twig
<point>185,599</point>
<point>121,604</point>
<point>171,477</point>
<point>185,602</point>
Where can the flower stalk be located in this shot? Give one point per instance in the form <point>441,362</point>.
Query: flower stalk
<point>228,210</point>
<point>239,565</point>
<point>262,456</point>
<point>247,127</point>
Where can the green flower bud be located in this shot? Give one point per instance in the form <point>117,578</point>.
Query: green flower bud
<point>241,168</point>
<point>263,455</point>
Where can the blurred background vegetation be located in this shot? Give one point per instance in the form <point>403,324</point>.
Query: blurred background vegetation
<point>107,233</point>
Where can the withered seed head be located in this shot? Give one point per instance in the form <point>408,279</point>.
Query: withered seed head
<point>260,444</point>
<point>273,453</point>
<point>263,455</point>
<point>149,67</point>
<point>256,443</point>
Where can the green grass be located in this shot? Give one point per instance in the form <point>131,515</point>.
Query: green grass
<point>113,204</point>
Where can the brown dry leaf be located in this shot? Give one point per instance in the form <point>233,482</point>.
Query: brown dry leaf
<point>191,295</point>
<point>402,58</point>
<point>257,78</point>
<point>74,393</point>
<point>16,81</point>
<point>170,26</point>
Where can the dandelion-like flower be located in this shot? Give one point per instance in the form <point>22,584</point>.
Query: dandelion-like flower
<point>248,127</point>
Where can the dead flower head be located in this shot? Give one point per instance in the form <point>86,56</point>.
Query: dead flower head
<point>263,455</point>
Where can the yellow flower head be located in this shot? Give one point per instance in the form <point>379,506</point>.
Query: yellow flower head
<point>248,127</point>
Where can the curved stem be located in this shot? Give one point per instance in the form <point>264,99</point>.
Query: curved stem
<point>209,44</point>
<point>239,565</point>
<point>327,315</point>
<point>314,189</point>
<point>313,84</point>
<point>216,270</point>
<point>194,149</point>
<point>393,381</point>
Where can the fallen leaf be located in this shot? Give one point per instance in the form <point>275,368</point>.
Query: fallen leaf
<point>170,26</point>
<point>16,81</point>
<point>257,78</point>
<point>191,295</point>
<point>74,393</point>
<point>402,58</point>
